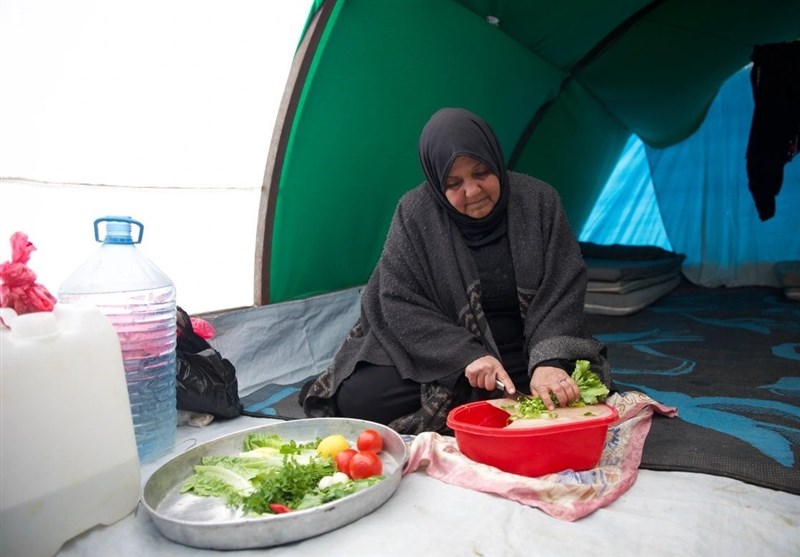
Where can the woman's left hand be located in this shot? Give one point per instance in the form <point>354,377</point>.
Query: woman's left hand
<point>547,380</point>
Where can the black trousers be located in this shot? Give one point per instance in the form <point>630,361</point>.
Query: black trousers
<point>379,394</point>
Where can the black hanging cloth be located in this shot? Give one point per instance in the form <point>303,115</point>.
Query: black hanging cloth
<point>775,130</point>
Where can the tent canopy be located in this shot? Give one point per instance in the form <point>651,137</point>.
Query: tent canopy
<point>564,85</point>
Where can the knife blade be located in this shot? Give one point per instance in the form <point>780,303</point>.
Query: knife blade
<point>516,397</point>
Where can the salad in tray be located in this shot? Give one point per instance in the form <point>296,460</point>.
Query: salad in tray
<point>272,475</point>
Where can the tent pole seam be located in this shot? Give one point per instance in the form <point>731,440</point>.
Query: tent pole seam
<point>595,52</point>
<point>278,145</point>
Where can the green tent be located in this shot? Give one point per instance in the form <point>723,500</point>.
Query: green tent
<point>564,83</point>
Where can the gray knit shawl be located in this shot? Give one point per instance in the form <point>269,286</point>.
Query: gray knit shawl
<point>421,308</point>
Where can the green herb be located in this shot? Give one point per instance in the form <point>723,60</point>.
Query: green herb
<point>287,484</point>
<point>336,491</point>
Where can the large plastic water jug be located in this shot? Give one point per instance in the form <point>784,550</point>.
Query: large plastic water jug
<point>68,460</point>
<point>139,300</point>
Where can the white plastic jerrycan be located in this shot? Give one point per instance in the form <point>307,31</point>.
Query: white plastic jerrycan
<point>68,460</point>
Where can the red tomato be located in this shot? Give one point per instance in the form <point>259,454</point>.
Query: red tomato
<point>343,459</point>
<point>365,464</point>
<point>277,508</point>
<point>370,440</point>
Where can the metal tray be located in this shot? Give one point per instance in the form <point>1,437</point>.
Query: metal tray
<point>206,522</point>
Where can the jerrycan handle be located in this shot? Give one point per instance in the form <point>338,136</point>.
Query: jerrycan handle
<point>118,231</point>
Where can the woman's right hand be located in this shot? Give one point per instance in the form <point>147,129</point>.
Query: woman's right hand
<point>484,372</point>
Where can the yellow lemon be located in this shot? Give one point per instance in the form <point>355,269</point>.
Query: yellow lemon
<point>332,445</point>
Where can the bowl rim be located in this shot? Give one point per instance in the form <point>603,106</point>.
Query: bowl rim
<point>459,426</point>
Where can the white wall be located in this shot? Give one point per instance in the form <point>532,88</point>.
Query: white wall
<point>160,110</point>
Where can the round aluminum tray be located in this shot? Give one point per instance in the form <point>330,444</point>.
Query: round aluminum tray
<point>206,522</point>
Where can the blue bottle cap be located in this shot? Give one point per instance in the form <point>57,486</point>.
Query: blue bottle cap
<point>118,230</point>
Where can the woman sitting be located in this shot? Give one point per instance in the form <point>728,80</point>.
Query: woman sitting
<point>480,280</point>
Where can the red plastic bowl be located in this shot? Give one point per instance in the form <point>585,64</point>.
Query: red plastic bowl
<point>573,444</point>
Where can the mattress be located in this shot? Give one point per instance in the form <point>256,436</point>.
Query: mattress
<point>788,273</point>
<point>627,279</point>
<point>627,286</point>
<point>607,303</point>
<point>614,263</point>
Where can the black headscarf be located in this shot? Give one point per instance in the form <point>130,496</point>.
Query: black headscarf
<point>454,132</point>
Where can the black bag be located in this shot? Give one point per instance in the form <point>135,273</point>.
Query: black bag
<point>206,382</point>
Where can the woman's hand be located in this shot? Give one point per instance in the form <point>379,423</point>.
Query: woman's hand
<point>485,371</point>
<point>548,379</point>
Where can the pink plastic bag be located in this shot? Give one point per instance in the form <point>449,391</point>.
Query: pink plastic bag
<point>18,287</point>
<point>202,328</point>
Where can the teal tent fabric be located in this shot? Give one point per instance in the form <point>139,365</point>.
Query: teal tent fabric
<point>563,84</point>
<point>693,197</point>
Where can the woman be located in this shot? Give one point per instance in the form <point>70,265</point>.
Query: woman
<point>480,279</point>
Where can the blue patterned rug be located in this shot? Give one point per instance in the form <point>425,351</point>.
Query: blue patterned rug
<point>729,360</point>
<point>274,401</point>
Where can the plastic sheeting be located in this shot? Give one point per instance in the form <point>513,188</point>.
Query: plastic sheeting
<point>284,343</point>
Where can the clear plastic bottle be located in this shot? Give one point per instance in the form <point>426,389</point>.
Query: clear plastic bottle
<point>139,301</point>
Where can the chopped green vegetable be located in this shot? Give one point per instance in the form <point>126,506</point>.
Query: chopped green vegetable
<point>592,391</point>
<point>531,407</point>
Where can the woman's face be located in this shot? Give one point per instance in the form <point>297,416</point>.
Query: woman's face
<point>471,187</point>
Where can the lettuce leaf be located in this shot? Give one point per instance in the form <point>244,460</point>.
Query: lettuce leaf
<point>228,477</point>
<point>258,440</point>
<point>592,388</point>
<point>218,481</point>
<point>274,441</point>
